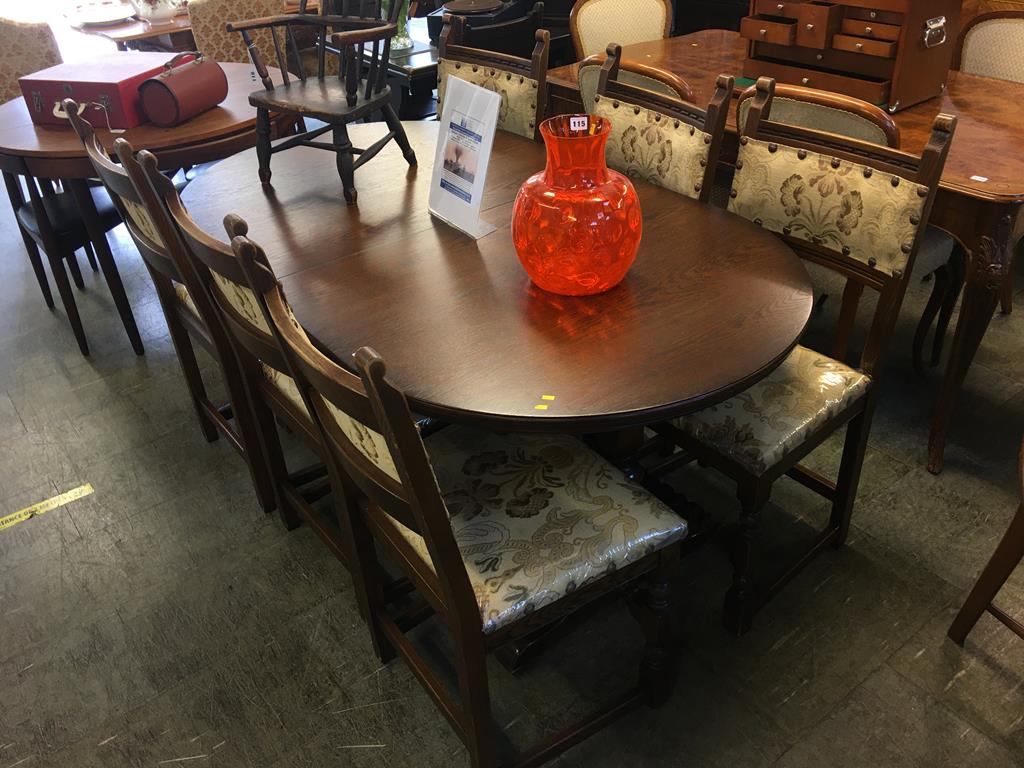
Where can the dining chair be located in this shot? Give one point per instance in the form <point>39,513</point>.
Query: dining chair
<point>660,139</point>
<point>514,37</point>
<point>361,47</point>
<point>25,48</point>
<point>635,73</point>
<point>208,19</point>
<point>990,45</point>
<point>498,534</point>
<point>1005,559</point>
<point>59,222</point>
<point>940,256</point>
<point>521,83</point>
<point>187,313</point>
<point>595,24</point>
<point>273,397</point>
<point>856,209</point>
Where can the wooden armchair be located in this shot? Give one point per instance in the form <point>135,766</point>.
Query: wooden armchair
<point>595,24</point>
<point>633,73</point>
<point>1004,560</point>
<point>521,83</point>
<point>515,37</point>
<point>939,256</point>
<point>467,516</point>
<point>856,209</point>
<point>361,46</point>
<point>659,139</point>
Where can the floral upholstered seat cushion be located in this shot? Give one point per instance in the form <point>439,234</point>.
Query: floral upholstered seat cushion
<point>538,516</point>
<point>762,424</point>
<point>185,298</point>
<point>647,145</point>
<point>870,216</point>
<point>518,111</point>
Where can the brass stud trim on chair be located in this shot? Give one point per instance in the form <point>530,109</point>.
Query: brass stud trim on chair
<point>835,162</point>
<point>773,148</point>
<point>895,181</point>
<point>868,173</point>
<point>801,154</point>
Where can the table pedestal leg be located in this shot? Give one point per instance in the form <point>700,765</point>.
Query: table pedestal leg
<point>988,269</point>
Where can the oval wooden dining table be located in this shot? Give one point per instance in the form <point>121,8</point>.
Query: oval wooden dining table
<point>712,304</point>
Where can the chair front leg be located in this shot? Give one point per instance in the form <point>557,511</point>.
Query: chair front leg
<point>651,606</point>
<point>957,266</point>
<point>850,466</point>
<point>741,599</point>
<point>263,144</point>
<point>942,284</point>
<point>346,164</point>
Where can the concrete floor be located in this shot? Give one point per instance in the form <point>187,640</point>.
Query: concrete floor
<point>165,621</point>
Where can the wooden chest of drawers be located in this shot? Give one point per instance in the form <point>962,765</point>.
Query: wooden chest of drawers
<point>890,52</point>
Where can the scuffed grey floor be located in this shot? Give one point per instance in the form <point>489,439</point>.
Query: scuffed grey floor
<point>165,621</point>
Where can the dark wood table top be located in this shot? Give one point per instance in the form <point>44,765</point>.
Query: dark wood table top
<point>712,303</point>
<point>985,161</point>
<point>21,137</point>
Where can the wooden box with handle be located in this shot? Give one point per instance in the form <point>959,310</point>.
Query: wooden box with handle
<point>894,53</point>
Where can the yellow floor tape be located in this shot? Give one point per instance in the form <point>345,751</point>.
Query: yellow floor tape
<point>44,506</point>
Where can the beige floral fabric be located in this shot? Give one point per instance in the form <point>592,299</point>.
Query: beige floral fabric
<point>241,299</point>
<point>186,299</point>
<point>651,146</point>
<point>209,19</point>
<point>518,111</point>
<point>142,221</point>
<point>625,22</point>
<point>539,516</point>
<point>759,426</point>
<point>994,49</point>
<point>818,117</point>
<point>25,48</point>
<point>590,76</point>
<point>830,202</point>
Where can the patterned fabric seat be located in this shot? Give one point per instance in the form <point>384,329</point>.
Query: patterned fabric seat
<point>762,424</point>
<point>537,517</point>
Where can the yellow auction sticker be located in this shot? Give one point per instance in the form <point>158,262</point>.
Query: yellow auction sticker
<point>43,507</point>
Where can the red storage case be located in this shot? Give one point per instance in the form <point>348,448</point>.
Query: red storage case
<point>111,80</point>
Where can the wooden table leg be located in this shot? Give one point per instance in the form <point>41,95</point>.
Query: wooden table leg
<point>91,217</point>
<point>987,270</point>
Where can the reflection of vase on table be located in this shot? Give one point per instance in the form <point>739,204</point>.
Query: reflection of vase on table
<point>576,225</point>
<point>401,41</point>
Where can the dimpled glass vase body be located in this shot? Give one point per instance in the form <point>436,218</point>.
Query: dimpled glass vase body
<point>577,224</point>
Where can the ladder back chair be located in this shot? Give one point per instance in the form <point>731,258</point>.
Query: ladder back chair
<point>187,313</point>
<point>940,255</point>
<point>659,139</point>
<point>273,396</point>
<point>468,516</point>
<point>1005,559</point>
<point>361,46</point>
<point>858,210</point>
<point>990,45</point>
<point>634,73</point>
<point>595,24</point>
<point>521,83</point>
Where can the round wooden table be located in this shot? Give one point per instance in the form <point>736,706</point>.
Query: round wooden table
<point>712,304</point>
<point>57,153</point>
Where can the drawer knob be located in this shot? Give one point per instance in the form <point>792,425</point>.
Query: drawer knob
<point>805,80</point>
<point>859,46</point>
<point>873,14</point>
<point>810,27</point>
<point>868,30</point>
<point>764,31</point>
<point>781,6</point>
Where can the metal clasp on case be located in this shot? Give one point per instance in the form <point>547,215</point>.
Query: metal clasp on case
<point>935,32</point>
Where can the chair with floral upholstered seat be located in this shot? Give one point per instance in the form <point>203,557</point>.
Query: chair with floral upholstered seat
<point>858,210</point>
<point>660,139</point>
<point>215,279</point>
<point>940,256</point>
<point>25,48</point>
<point>498,534</point>
<point>634,73</point>
<point>595,24</point>
<point>521,83</point>
<point>990,45</point>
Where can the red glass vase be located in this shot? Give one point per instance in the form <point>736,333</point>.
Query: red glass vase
<point>576,225</point>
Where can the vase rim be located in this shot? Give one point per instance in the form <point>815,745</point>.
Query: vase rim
<point>596,126</point>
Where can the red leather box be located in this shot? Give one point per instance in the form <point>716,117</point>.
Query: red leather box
<point>111,80</point>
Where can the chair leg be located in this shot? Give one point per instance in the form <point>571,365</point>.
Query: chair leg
<point>106,259</point>
<point>1006,557</point>
<point>274,456</point>
<point>60,277</point>
<point>75,270</point>
<point>848,479</point>
<point>37,267</point>
<point>346,164</point>
<point>652,607</point>
<point>263,144</point>
<point>395,125</point>
<point>940,289</point>
<point>1006,294</point>
<point>741,599</point>
<point>958,265</point>
<point>476,701</point>
<point>90,255</point>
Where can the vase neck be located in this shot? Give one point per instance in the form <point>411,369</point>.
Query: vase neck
<point>575,162</point>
